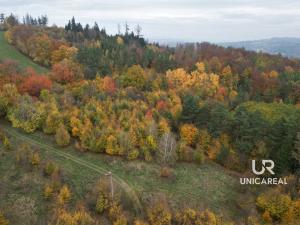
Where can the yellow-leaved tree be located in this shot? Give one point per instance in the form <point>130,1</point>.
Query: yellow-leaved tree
<point>64,195</point>
<point>189,134</point>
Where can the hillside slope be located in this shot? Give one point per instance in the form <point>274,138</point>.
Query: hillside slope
<point>207,186</point>
<point>9,52</point>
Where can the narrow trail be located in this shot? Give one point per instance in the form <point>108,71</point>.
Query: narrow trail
<point>96,168</point>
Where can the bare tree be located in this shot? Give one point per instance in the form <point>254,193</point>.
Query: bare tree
<point>119,29</point>
<point>151,129</point>
<point>138,30</point>
<point>126,28</point>
<point>167,149</point>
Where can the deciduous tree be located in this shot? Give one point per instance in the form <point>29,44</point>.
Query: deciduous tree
<point>64,195</point>
<point>34,84</point>
<point>62,136</point>
<point>167,149</point>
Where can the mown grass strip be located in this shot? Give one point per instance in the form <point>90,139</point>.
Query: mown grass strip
<point>9,52</point>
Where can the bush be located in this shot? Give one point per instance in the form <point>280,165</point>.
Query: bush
<point>34,84</point>
<point>166,172</point>
<point>199,156</point>
<point>277,205</point>
<point>223,155</point>
<point>6,143</point>
<point>189,134</point>
<point>3,220</point>
<point>266,217</point>
<point>64,195</point>
<point>159,214</point>
<point>102,203</point>
<point>133,154</point>
<point>62,136</point>
<point>48,192</point>
<point>35,159</point>
<point>185,152</point>
<point>49,168</point>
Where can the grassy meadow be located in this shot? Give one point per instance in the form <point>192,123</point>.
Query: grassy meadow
<point>9,52</point>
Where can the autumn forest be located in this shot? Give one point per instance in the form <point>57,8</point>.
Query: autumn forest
<point>115,129</point>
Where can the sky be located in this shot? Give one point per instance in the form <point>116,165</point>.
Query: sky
<point>174,20</point>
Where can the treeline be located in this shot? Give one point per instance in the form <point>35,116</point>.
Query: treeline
<point>13,20</point>
<point>140,114</point>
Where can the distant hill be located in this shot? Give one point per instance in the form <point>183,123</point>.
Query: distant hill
<point>285,46</point>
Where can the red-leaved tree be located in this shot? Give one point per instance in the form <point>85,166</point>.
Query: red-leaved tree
<point>33,83</point>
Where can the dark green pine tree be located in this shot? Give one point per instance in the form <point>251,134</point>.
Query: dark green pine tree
<point>296,157</point>
<point>97,30</point>
<point>73,24</point>
<point>282,136</point>
<point>86,31</point>
<point>296,152</point>
<point>68,26</point>
<point>247,129</point>
<point>190,109</point>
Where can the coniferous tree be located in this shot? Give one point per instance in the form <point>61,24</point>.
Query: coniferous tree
<point>97,30</point>
<point>86,31</point>
<point>73,24</point>
<point>2,17</point>
<point>68,26</point>
<point>296,152</point>
<point>190,109</point>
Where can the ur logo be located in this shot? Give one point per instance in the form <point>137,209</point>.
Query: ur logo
<point>266,164</point>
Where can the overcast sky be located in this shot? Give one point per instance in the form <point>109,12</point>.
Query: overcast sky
<point>184,20</point>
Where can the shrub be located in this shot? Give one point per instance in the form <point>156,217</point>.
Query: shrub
<point>3,220</point>
<point>133,154</point>
<point>159,214</point>
<point>49,168</point>
<point>48,192</point>
<point>35,159</point>
<point>185,152</point>
<point>189,134</point>
<point>34,84</point>
<point>199,156</point>
<point>223,155</point>
<point>66,72</point>
<point>62,136</point>
<point>64,195</point>
<point>6,143</point>
<point>266,217</point>
<point>165,172</point>
<point>102,202</point>
<point>278,205</point>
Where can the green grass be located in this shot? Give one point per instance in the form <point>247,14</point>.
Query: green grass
<point>205,186</point>
<point>9,52</point>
